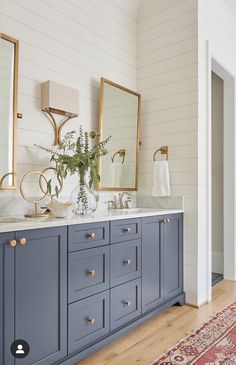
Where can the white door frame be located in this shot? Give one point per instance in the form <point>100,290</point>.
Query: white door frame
<point>213,64</point>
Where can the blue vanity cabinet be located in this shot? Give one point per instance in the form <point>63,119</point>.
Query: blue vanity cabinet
<point>152,288</point>
<point>171,235</point>
<point>162,260</point>
<point>69,291</point>
<point>6,298</point>
<point>39,295</point>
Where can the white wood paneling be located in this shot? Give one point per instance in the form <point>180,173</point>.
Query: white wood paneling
<point>168,80</point>
<point>73,43</point>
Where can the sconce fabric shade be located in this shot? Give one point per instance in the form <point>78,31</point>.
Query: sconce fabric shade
<point>59,99</point>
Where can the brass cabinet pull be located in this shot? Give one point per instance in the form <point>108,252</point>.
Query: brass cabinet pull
<point>91,273</point>
<point>22,241</point>
<point>127,230</point>
<point>127,262</point>
<point>13,243</point>
<point>166,221</point>
<point>91,320</point>
<point>91,235</point>
<point>127,303</point>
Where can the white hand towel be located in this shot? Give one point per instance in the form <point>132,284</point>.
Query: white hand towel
<point>161,179</point>
<point>116,174</point>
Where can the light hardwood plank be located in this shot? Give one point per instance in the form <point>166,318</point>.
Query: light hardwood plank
<point>148,341</point>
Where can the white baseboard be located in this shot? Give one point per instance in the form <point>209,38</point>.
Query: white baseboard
<point>218,262</point>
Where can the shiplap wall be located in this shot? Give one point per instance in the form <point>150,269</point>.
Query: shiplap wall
<point>167,80</point>
<point>73,43</point>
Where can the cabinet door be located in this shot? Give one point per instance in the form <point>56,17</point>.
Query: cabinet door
<point>151,263</point>
<point>6,298</point>
<point>41,294</point>
<point>172,247</point>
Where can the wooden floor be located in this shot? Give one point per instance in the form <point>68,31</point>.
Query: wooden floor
<point>148,341</point>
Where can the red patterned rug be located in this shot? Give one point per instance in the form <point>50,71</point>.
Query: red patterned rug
<point>214,343</point>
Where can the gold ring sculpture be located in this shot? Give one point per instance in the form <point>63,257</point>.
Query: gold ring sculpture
<point>35,202</point>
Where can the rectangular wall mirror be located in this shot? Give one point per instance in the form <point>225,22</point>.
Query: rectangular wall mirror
<point>119,118</point>
<point>8,105</point>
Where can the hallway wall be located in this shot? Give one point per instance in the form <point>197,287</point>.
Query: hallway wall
<point>217,173</point>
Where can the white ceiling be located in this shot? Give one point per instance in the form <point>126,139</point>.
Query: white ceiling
<point>231,4</point>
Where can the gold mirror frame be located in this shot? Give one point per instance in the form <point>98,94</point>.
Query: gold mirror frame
<point>100,133</point>
<point>15,95</point>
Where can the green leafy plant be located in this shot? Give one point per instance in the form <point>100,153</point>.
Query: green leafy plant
<point>77,156</point>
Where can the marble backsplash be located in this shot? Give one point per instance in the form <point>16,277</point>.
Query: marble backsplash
<point>13,204</point>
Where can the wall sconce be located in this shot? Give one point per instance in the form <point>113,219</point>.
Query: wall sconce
<point>59,99</point>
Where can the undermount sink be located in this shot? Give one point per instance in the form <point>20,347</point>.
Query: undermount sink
<point>11,220</point>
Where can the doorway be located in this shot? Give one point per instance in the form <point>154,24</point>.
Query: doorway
<point>227,214</point>
<point>217,114</point>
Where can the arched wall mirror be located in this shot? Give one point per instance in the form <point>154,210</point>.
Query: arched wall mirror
<point>119,118</point>
<point>9,49</point>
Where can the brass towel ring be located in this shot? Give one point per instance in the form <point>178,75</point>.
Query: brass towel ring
<point>121,153</point>
<point>163,150</point>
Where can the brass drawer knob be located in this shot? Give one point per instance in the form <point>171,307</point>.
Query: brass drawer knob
<point>91,320</point>
<point>91,235</point>
<point>92,273</point>
<point>166,221</point>
<point>12,243</point>
<point>22,241</point>
<point>127,262</point>
<point>127,303</point>
<point>127,230</point>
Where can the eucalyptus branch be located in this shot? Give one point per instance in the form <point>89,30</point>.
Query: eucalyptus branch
<point>77,156</point>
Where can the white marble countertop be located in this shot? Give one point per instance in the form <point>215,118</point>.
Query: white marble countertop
<point>19,223</point>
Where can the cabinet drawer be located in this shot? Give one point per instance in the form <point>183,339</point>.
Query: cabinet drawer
<point>125,303</point>
<point>88,236</point>
<point>88,272</point>
<point>125,262</point>
<point>88,320</point>
<point>125,230</point>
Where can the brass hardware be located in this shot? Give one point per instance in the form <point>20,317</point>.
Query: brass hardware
<point>35,202</point>
<point>58,128</point>
<point>22,241</point>
<point>13,243</point>
<point>101,121</point>
<point>166,221</point>
<point>163,150</point>
<point>128,303</point>
<point>121,153</point>
<point>127,262</point>
<point>14,109</point>
<point>19,115</point>
<point>91,320</point>
<point>92,273</point>
<point>94,134</point>
<point>91,235</point>
<point>127,230</point>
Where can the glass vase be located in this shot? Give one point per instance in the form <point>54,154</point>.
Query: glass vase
<point>85,199</point>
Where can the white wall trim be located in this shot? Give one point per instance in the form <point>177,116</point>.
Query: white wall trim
<point>229,170</point>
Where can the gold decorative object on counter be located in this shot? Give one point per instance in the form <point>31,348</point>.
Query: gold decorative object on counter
<point>36,214</point>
